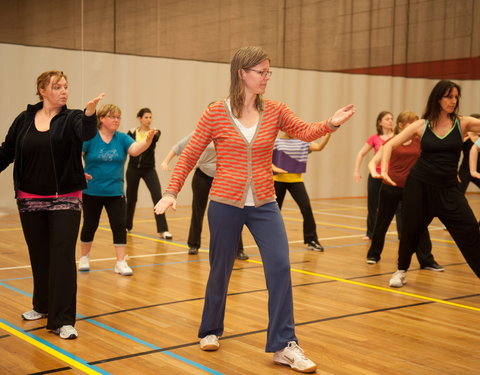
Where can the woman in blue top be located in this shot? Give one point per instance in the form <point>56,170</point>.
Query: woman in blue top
<point>431,189</point>
<point>105,157</point>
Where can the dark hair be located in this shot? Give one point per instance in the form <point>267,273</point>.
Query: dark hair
<point>476,115</point>
<point>433,108</point>
<point>380,117</point>
<point>143,111</point>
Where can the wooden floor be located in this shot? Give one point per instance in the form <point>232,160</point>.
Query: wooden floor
<point>349,321</point>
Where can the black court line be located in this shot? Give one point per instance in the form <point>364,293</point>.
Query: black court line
<point>185,345</point>
<point>229,294</point>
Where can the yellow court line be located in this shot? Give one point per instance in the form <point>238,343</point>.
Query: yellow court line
<point>48,349</point>
<point>378,288</point>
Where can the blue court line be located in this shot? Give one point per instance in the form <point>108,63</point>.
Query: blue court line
<point>52,349</point>
<point>108,328</point>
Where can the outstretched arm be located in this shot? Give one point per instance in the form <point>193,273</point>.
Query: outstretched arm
<point>92,105</point>
<point>319,146</point>
<point>412,130</point>
<point>164,165</point>
<point>138,147</point>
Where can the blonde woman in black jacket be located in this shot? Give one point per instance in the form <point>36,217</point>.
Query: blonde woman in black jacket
<point>45,145</point>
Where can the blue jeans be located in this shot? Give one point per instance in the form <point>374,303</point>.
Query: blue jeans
<point>266,225</point>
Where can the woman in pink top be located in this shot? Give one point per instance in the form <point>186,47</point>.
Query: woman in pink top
<point>384,126</point>
<point>390,197</point>
<point>244,128</point>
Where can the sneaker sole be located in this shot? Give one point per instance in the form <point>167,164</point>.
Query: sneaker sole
<point>397,285</point>
<point>40,317</point>
<point>314,249</point>
<point>305,371</point>
<point>209,348</point>
<point>433,269</point>
<point>371,262</point>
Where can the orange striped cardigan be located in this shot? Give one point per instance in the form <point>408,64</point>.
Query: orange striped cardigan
<point>241,164</point>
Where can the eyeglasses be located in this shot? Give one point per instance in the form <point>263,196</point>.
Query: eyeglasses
<point>263,73</point>
<point>114,117</point>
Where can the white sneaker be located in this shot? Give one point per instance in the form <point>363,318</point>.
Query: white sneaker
<point>66,332</point>
<point>122,268</point>
<point>33,315</point>
<point>292,355</point>
<point>84,263</point>
<point>209,343</point>
<point>165,235</point>
<point>399,279</point>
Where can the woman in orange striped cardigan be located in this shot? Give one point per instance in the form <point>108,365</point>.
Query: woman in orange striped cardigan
<point>243,128</point>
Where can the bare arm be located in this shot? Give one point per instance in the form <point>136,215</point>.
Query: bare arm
<point>473,160</point>
<point>415,128</point>
<point>92,105</point>
<point>372,165</point>
<point>278,170</point>
<point>470,124</point>
<point>319,146</point>
<point>164,166</point>
<point>358,161</point>
<point>137,148</point>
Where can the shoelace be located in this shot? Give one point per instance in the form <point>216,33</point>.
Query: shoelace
<point>294,346</point>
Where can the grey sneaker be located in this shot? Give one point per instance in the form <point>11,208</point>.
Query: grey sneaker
<point>33,315</point>
<point>399,279</point>
<point>292,355</point>
<point>66,332</point>
<point>209,343</point>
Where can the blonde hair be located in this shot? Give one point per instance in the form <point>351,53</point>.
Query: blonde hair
<point>105,110</point>
<point>404,118</point>
<point>45,78</point>
<point>244,58</point>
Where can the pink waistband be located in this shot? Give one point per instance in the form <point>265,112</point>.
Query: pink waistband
<point>24,195</point>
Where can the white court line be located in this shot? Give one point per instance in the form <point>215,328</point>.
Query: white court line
<point>430,228</point>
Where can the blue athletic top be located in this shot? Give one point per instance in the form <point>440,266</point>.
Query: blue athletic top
<point>105,162</point>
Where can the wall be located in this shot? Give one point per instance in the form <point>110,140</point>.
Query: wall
<point>177,91</point>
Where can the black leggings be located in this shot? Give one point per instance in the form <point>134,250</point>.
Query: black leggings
<point>299,194</point>
<point>150,176</point>
<point>421,203</point>
<point>389,199</point>
<point>92,209</point>
<point>51,238</point>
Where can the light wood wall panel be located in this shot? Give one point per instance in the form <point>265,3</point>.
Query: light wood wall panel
<point>326,35</point>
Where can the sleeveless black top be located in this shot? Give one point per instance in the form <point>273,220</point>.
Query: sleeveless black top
<point>438,161</point>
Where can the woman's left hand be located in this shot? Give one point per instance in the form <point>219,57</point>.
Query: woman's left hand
<point>92,105</point>
<point>342,115</point>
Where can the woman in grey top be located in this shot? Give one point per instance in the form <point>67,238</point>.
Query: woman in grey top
<point>201,184</point>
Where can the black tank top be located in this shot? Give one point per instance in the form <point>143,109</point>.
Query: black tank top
<point>438,161</point>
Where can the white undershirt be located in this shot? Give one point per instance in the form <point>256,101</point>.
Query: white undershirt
<point>248,133</point>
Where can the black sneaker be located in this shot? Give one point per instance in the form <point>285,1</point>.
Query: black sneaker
<point>193,250</point>
<point>372,260</point>
<point>242,256</point>
<point>433,267</point>
<point>315,246</point>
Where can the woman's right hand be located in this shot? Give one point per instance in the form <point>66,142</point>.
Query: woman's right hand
<point>164,203</point>
<point>357,177</point>
<point>164,167</point>
<point>387,179</point>
<point>376,175</point>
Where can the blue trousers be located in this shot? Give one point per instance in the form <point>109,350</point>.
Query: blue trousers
<point>267,228</point>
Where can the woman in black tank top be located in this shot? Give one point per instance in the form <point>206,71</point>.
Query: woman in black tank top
<point>432,189</point>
